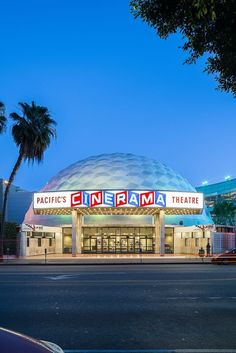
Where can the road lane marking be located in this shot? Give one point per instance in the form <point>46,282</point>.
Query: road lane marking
<point>62,277</point>
<point>74,275</point>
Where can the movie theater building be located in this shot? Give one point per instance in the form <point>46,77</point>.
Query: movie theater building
<point>116,203</point>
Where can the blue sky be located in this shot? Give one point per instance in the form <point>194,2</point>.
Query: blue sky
<point>112,86</point>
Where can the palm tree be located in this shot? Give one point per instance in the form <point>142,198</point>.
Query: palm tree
<point>32,132</point>
<point>2,117</point>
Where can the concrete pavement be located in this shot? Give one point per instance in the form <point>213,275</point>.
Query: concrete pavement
<point>102,259</point>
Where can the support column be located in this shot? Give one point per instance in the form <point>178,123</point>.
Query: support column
<point>159,220</point>
<point>79,233</point>
<point>162,232</point>
<point>74,231</point>
<point>157,233</point>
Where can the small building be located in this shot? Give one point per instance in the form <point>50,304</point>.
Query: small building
<point>223,236</point>
<point>224,190</point>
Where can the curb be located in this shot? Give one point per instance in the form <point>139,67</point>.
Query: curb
<point>104,263</point>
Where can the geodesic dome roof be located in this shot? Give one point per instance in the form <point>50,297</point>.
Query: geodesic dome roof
<point>118,171</point>
<point>112,171</point>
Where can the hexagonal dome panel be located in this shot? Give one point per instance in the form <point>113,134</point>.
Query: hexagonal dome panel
<point>118,171</point>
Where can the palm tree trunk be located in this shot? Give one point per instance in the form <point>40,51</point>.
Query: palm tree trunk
<point>10,181</point>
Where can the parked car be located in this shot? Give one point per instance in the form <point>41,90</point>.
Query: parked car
<point>225,258</point>
<point>15,342</point>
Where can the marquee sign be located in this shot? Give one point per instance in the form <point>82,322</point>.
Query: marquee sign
<point>118,198</point>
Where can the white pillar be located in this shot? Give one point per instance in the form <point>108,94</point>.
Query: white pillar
<point>79,233</point>
<point>157,233</point>
<point>74,231</point>
<point>162,232</point>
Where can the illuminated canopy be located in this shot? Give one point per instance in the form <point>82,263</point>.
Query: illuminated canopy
<point>116,171</point>
<point>136,202</point>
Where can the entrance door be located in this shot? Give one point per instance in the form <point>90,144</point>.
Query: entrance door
<point>146,244</point>
<point>130,244</point>
<point>93,245</point>
<point>67,244</point>
<point>150,244</point>
<point>112,245</point>
<point>105,247</point>
<point>99,244</point>
<point>90,245</point>
<point>123,244</point>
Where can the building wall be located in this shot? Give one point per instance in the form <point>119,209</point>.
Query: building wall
<point>225,190</point>
<point>222,242</point>
<point>35,239</point>
<point>188,240</point>
<point>35,249</point>
<point>19,201</point>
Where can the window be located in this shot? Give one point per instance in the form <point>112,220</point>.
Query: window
<point>28,242</point>
<point>49,235</point>
<point>37,234</point>
<point>196,242</point>
<point>186,242</point>
<point>39,242</point>
<point>50,241</point>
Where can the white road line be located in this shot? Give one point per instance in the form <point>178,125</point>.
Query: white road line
<point>65,276</point>
<point>61,277</point>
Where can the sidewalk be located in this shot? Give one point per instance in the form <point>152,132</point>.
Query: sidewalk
<point>105,259</point>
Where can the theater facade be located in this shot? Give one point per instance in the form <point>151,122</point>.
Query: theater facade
<point>119,204</point>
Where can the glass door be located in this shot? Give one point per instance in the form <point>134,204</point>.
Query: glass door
<point>150,244</point>
<point>131,244</point>
<point>105,245</point>
<point>124,244</point>
<point>112,245</point>
<point>67,248</point>
<point>93,246</point>
<point>137,244</point>
<point>99,244</point>
<point>118,249</point>
<point>86,244</point>
<point>143,244</point>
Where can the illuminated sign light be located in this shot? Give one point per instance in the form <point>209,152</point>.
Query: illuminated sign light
<point>118,198</point>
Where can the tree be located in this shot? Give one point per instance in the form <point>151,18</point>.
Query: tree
<point>11,239</point>
<point>224,212</point>
<point>2,117</point>
<point>208,28</point>
<point>32,132</point>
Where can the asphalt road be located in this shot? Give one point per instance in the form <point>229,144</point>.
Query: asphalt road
<point>122,307</point>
